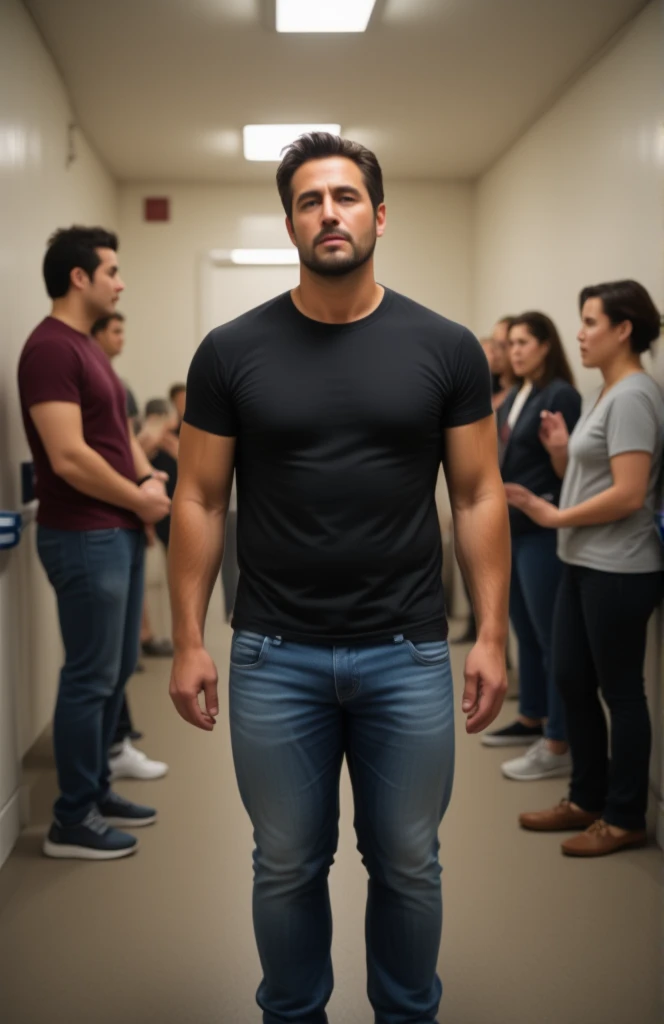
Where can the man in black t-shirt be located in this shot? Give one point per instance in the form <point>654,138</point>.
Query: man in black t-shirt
<point>335,405</point>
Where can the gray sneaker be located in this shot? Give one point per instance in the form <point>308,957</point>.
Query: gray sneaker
<point>538,763</point>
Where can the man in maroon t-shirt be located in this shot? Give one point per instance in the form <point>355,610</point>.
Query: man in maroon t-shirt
<point>96,489</point>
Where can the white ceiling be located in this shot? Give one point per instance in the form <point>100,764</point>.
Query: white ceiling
<point>440,88</point>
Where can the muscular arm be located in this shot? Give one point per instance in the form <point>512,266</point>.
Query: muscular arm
<point>205,477</point>
<point>142,464</point>
<point>481,529</point>
<point>60,427</point>
<point>481,525</point>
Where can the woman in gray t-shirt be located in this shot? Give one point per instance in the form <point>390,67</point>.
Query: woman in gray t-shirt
<point>612,577</point>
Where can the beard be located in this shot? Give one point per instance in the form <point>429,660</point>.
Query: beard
<point>335,264</point>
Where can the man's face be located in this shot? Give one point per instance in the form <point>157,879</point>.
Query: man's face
<point>112,339</point>
<point>333,223</point>
<point>101,293</point>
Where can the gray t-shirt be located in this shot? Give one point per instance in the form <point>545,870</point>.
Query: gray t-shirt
<point>629,418</point>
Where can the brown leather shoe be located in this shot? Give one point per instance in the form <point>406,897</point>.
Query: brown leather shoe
<point>562,818</point>
<point>597,841</point>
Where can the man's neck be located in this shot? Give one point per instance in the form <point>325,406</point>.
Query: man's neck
<point>338,300</point>
<point>72,314</point>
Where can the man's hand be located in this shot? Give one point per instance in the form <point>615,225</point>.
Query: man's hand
<point>194,673</point>
<point>542,512</point>
<point>486,684</point>
<point>152,503</point>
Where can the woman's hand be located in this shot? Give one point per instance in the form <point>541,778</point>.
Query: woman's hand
<point>553,432</point>
<point>540,511</point>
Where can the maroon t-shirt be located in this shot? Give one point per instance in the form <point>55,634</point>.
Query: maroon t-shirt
<point>59,364</point>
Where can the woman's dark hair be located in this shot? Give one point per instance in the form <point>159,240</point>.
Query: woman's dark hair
<point>102,323</point>
<point>627,300</point>
<point>73,247</point>
<point>543,328</point>
<point>319,146</point>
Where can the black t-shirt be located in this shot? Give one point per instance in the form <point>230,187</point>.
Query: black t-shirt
<point>339,433</point>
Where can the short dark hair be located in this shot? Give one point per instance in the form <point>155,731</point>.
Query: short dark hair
<point>509,320</point>
<point>73,247</point>
<point>175,390</point>
<point>627,300</point>
<point>542,327</point>
<point>319,146</point>
<point>102,323</point>
<point>157,407</point>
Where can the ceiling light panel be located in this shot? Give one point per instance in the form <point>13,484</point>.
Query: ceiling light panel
<point>266,141</point>
<point>323,15</point>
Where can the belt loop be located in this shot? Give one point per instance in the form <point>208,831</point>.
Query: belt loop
<point>399,639</point>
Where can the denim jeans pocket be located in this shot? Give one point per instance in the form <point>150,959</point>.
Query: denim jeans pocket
<point>434,652</point>
<point>249,650</point>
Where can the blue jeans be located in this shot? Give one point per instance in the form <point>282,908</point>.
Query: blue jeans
<point>97,576</point>
<point>295,711</point>
<point>536,574</point>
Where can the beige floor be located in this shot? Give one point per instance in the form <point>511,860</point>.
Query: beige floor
<point>165,937</point>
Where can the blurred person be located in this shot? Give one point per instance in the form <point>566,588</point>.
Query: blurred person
<point>612,578</point>
<point>96,490</point>
<point>336,403</point>
<point>178,397</point>
<point>547,385</point>
<point>109,333</point>
<point>500,360</point>
<point>126,760</point>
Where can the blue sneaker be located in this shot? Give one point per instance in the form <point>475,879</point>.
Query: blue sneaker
<point>92,839</point>
<point>115,810</point>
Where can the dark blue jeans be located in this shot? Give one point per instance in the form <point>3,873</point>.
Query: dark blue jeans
<point>536,574</point>
<point>295,711</point>
<point>97,576</point>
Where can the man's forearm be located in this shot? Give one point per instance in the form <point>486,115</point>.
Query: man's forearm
<point>482,542</point>
<point>195,551</point>
<point>142,464</point>
<point>89,472</point>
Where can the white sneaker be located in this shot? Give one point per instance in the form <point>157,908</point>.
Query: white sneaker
<point>538,763</point>
<point>132,763</point>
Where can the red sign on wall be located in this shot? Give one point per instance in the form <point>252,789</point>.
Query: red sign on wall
<point>157,208</point>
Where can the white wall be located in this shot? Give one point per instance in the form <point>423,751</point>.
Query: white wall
<point>37,194</point>
<point>425,253</point>
<point>576,201</point>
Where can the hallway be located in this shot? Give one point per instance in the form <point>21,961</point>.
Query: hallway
<point>165,937</point>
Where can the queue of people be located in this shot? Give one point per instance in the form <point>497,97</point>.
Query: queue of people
<point>583,482</point>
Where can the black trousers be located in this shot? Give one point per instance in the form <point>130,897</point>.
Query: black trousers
<point>599,643</point>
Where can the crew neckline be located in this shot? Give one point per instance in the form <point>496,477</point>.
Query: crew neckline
<point>68,327</point>
<point>322,327</point>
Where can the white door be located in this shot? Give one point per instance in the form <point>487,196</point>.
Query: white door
<point>227,291</point>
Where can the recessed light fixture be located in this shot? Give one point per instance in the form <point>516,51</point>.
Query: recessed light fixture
<point>266,141</point>
<point>323,15</point>
<point>255,257</point>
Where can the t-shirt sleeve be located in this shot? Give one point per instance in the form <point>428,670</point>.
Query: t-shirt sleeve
<point>471,386</point>
<point>209,404</point>
<point>50,372</point>
<point>632,424</point>
<point>567,400</point>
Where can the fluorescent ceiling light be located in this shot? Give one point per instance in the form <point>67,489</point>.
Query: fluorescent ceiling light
<point>257,257</point>
<point>266,141</point>
<point>323,15</point>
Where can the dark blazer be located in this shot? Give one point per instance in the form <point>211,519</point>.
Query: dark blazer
<point>524,459</point>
